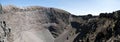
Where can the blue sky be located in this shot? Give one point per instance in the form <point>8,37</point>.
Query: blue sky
<point>77,7</point>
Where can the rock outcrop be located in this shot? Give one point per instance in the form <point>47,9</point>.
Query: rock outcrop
<point>43,24</point>
<point>102,28</point>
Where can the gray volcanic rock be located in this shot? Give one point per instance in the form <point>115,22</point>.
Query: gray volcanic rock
<point>102,28</point>
<point>43,24</point>
<point>32,24</point>
<point>0,9</point>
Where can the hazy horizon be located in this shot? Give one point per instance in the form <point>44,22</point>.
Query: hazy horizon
<point>76,7</point>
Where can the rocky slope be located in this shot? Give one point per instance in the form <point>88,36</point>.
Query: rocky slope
<point>43,24</point>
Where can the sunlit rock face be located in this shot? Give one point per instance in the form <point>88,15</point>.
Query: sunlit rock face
<point>32,24</point>
<point>43,24</point>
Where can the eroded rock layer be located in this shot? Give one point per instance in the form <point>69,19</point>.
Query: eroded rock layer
<point>43,24</point>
